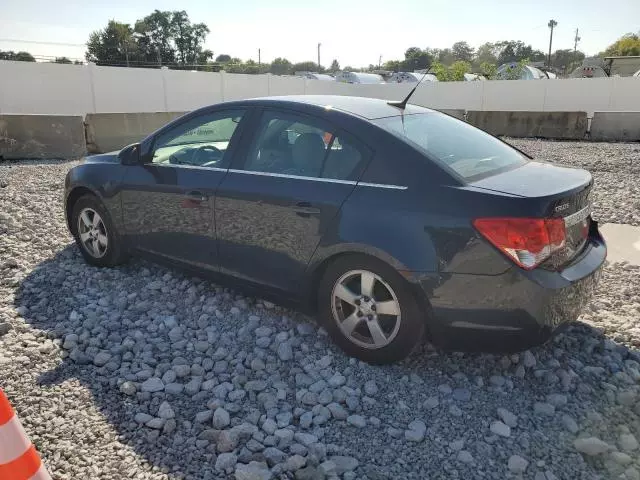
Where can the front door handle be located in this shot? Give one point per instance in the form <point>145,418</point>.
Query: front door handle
<point>196,196</point>
<point>305,209</point>
<point>193,199</point>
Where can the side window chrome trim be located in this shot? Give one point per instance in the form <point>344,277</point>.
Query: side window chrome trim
<point>382,185</point>
<point>189,167</point>
<point>317,179</point>
<point>298,177</point>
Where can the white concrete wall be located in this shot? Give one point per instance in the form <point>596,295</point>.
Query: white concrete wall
<point>47,88</point>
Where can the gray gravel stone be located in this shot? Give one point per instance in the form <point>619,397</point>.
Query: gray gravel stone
<point>591,446</point>
<point>517,464</point>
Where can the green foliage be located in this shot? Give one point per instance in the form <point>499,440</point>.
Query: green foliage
<point>513,72</point>
<point>306,67</point>
<point>515,51</point>
<point>462,52</point>
<point>16,57</point>
<point>62,60</point>
<point>458,69</point>
<point>415,59</point>
<point>440,71</point>
<point>489,70</point>
<point>223,58</point>
<point>161,37</point>
<point>487,53</point>
<point>566,60</point>
<point>453,73</point>
<point>625,46</point>
<point>280,66</point>
<point>392,65</point>
<point>335,66</point>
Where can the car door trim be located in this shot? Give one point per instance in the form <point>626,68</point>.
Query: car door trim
<point>317,179</point>
<point>189,167</point>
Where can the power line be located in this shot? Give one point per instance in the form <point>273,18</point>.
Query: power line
<point>15,40</point>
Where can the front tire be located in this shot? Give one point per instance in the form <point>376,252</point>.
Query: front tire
<point>369,310</point>
<point>95,234</point>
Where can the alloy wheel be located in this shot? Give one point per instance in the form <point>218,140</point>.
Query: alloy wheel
<point>366,309</point>
<point>92,233</point>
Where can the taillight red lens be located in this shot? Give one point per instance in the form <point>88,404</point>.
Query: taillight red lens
<point>527,241</point>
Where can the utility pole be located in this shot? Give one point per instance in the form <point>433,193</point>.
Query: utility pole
<point>575,45</point>
<point>319,45</point>
<point>159,57</point>
<point>379,62</point>
<point>552,24</point>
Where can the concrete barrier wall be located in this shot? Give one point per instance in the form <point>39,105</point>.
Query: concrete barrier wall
<point>558,125</point>
<point>41,136</point>
<point>107,132</point>
<point>49,88</point>
<point>616,126</point>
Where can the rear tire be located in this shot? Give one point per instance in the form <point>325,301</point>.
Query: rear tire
<point>95,234</point>
<point>369,310</point>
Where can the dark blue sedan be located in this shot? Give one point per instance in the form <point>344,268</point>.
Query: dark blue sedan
<point>387,220</point>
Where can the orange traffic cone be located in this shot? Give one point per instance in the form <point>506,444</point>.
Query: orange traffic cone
<point>18,458</point>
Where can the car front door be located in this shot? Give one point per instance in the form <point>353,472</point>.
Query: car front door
<point>280,196</point>
<point>168,198</point>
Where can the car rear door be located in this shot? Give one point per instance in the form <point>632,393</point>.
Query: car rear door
<point>282,192</point>
<point>168,199</point>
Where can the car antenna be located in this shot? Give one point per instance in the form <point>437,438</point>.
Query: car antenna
<point>403,103</point>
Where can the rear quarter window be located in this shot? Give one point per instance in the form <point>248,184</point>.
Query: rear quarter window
<point>461,148</point>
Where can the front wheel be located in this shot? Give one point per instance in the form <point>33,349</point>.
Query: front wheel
<point>95,234</point>
<point>369,310</point>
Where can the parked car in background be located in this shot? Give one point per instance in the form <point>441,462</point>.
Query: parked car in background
<point>387,220</point>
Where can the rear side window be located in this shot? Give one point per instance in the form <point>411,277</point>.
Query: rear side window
<point>468,151</point>
<point>289,144</point>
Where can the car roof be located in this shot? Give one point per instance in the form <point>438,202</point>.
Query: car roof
<point>369,108</point>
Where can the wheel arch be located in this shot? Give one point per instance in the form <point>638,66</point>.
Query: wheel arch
<point>72,197</point>
<point>321,261</point>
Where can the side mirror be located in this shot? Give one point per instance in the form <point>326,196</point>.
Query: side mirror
<point>130,155</point>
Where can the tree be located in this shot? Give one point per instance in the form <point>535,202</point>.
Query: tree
<point>416,59</point>
<point>392,65</point>
<point>280,66</point>
<point>486,53</point>
<point>16,57</point>
<point>489,70</point>
<point>335,66</point>
<point>62,60</point>
<point>305,67</point>
<point>188,37</point>
<point>565,60</point>
<point>462,51</point>
<point>112,45</point>
<point>458,69</point>
<point>516,50</point>
<point>223,58</point>
<point>625,46</point>
<point>161,37</point>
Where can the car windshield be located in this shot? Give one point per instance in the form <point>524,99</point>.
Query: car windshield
<point>468,151</point>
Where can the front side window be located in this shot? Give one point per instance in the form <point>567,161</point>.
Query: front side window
<point>201,141</point>
<point>468,151</point>
<point>288,144</point>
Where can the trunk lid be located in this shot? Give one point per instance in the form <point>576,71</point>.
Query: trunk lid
<point>561,192</point>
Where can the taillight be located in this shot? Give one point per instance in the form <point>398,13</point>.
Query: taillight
<point>527,241</point>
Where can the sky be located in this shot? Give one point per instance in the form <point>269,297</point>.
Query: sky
<point>355,32</point>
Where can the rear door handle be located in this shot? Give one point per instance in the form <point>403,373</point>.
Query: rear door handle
<point>305,209</point>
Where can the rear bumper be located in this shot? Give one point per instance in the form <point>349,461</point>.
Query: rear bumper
<point>515,310</point>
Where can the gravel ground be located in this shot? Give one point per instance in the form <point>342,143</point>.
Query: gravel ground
<point>142,372</point>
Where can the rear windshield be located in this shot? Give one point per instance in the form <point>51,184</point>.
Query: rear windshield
<point>468,151</point>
